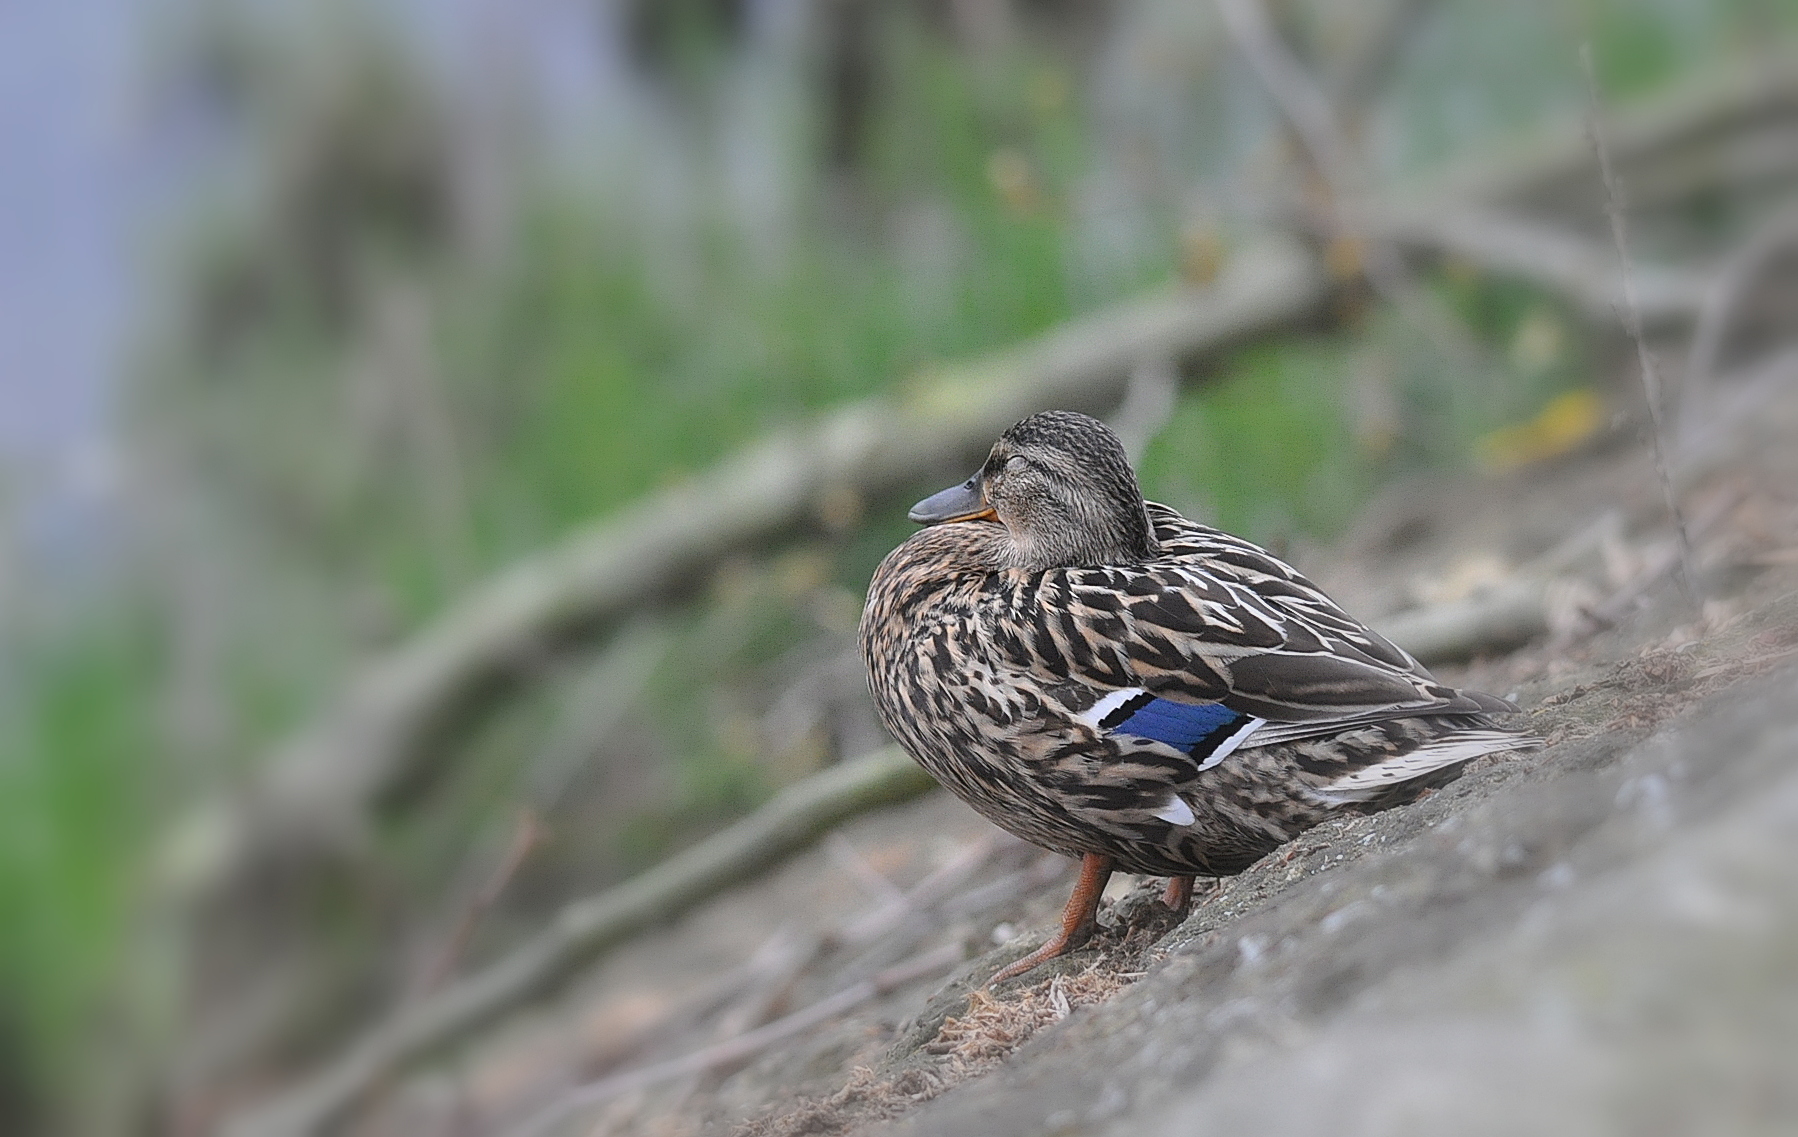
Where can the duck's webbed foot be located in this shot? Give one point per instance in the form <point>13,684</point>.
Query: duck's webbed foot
<point>1077,920</point>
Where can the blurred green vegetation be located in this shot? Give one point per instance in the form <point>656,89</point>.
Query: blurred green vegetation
<point>352,412</point>
<point>79,747</point>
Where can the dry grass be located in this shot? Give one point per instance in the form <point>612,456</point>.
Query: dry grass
<point>992,1028</point>
<point>965,1047</point>
<point>865,1097</point>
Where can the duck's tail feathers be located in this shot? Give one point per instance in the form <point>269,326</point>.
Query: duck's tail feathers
<point>1436,754</point>
<point>1453,703</point>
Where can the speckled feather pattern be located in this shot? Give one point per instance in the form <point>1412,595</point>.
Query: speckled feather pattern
<point>982,671</point>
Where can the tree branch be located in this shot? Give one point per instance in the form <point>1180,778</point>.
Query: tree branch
<point>1368,65</point>
<point>1554,259</point>
<point>1557,160</point>
<point>796,817</point>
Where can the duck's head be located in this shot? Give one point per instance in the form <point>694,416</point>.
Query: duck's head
<point>1061,486</point>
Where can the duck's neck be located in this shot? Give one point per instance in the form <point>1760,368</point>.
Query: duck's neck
<point>1120,537</point>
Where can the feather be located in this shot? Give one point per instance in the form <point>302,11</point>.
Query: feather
<point>1176,811</point>
<point>1214,619</point>
<point>1275,733</point>
<point>1184,726</point>
<point>1227,746</point>
<point>1205,731</point>
<point>1434,755</point>
<point>1095,715</point>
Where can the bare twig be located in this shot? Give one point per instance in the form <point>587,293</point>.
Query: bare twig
<point>526,836</point>
<point>1520,609</point>
<point>923,896</point>
<point>882,930</point>
<point>1371,61</point>
<point>1044,869</point>
<point>735,1050</point>
<point>843,853</point>
<point>939,892</point>
<point>771,958</point>
<point>1302,102</point>
<point>795,818</point>
<point>591,703</point>
<point>757,1004</point>
<point>1722,302</point>
<point>1659,560</point>
<point>1632,321</point>
<point>762,980</point>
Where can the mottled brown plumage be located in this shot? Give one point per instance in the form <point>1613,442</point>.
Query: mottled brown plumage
<point>1107,679</point>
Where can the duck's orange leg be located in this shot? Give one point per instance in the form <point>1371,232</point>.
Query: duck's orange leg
<point>1077,920</point>
<point>1178,894</point>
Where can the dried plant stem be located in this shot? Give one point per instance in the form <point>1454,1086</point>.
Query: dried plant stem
<point>526,836</point>
<point>1632,322</point>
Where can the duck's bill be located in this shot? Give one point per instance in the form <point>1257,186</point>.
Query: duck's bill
<point>957,503</point>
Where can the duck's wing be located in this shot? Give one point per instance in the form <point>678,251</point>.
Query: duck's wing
<point>1219,621</point>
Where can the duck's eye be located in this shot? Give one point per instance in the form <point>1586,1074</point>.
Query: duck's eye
<point>1016,464</point>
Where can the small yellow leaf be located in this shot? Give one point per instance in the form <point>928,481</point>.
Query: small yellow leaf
<point>1567,421</point>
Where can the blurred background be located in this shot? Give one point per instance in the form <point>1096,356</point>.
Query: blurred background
<point>314,317</point>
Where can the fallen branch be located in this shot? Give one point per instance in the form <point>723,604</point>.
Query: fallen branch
<point>1556,161</point>
<point>1554,259</point>
<point>941,894</point>
<point>316,793</point>
<point>735,1050</point>
<point>796,817</point>
<point>1504,617</point>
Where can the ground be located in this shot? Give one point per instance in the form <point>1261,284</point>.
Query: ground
<point>1598,936</point>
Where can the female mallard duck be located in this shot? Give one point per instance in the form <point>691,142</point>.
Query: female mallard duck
<point>1106,679</point>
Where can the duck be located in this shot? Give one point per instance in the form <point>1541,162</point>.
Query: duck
<point>1106,679</point>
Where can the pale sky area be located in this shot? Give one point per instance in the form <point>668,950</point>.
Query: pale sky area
<point>65,198</point>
